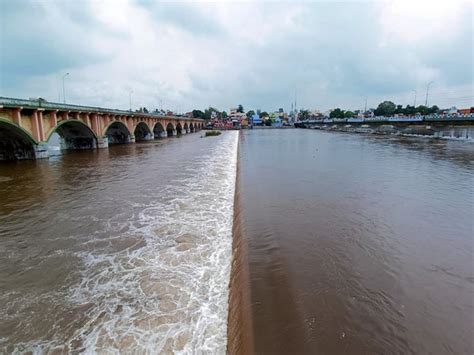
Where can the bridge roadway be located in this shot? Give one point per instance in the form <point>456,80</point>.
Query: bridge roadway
<point>27,125</point>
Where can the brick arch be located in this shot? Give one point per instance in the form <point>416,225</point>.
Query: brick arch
<point>159,129</point>
<point>170,129</point>
<point>15,142</point>
<point>179,128</point>
<point>75,134</point>
<point>117,132</point>
<point>142,131</point>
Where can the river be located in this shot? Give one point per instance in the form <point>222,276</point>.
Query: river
<point>344,243</point>
<point>358,244</point>
<point>125,249</point>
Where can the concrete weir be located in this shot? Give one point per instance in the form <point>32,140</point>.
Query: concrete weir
<point>26,127</point>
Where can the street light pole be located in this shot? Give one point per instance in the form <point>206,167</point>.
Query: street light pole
<point>427,90</point>
<point>130,99</point>
<point>64,90</point>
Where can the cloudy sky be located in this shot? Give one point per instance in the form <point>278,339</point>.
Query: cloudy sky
<point>185,55</point>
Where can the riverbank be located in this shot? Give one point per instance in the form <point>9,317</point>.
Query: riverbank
<point>457,132</point>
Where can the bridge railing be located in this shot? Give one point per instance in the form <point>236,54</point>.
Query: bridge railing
<point>41,103</point>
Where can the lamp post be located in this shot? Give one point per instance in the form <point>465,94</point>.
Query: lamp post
<point>130,99</point>
<point>414,103</point>
<point>64,90</point>
<point>427,90</point>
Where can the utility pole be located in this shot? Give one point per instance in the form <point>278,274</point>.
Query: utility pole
<point>295,100</point>
<point>365,107</point>
<point>414,103</point>
<point>130,99</point>
<point>427,91</point>
<point>64,90</point>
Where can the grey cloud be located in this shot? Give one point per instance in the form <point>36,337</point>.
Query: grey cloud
<point>332,53</point>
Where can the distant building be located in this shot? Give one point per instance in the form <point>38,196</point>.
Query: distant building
<point>256,120</point>
<point>466,111</point>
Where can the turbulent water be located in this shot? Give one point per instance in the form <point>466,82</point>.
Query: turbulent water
<point>358,244</point>
<point>119,250</point>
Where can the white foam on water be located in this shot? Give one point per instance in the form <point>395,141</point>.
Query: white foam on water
<point>164,286</point>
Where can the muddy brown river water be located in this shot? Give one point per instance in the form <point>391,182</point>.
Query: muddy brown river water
<point>358,244</point>
<point>125,250</point>
<point>344,244</point>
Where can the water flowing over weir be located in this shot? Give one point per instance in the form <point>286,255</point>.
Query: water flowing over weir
<point>239,327</point>
<point>122,251</point>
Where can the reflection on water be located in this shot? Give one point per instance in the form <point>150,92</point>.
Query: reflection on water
<point>125,249</point>
<point>358,244</point>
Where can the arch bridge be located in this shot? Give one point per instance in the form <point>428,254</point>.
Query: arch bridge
<point>27,125</point>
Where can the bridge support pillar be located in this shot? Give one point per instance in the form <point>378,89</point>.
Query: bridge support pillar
<point>131,139</point>
<point>103,142</point>
<point>41,151</point>
<point>175,133</point>
<point>163,134</point>
<point>149,137</point>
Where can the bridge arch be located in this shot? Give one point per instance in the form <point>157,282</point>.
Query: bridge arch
<point>191,127</point>
<point>142,132</point>
<point>179,129</point>
<point>117,133</point>
<point>74,134</point>
<point>170,129</point>
<point>186,127</point>
<point>159,130</point>
<point>15,142</point>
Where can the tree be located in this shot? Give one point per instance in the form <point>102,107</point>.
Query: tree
<point>250,114</point>
<point>224,114</point>
<point>422,109</point>
<point>349,114</point>
<point>399,110</point>
<point>304,115</point>
<point>208,113</point>
<point>264,114</point>
<point>198,114</point>
<point>240,109</point>
<point>434,109</point>
<point>268,122</point>
<point>336,113</point>
<point>409,110</point>
<point>386,108</point>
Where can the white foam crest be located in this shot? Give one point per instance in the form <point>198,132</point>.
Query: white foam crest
<point>164,286</point>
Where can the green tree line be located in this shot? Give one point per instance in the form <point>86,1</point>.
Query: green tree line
<point>388,108</point>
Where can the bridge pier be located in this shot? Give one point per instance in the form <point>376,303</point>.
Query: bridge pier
<point>163,134</point>
<point>102,142</point>
<point>41,150</point>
